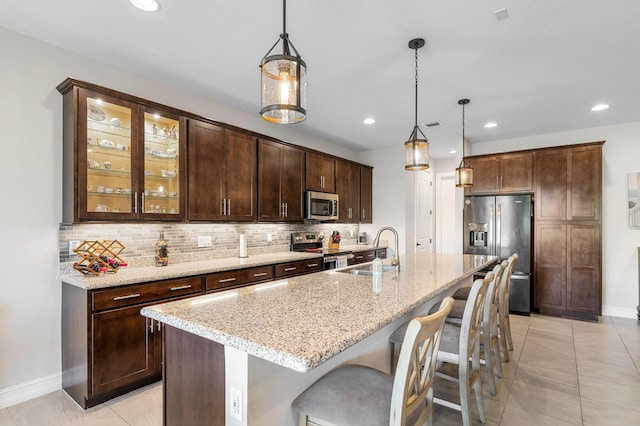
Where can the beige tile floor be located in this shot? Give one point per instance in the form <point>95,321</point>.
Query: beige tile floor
<point>562,372</point>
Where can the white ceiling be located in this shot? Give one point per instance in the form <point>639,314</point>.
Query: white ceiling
<point>539,71</point>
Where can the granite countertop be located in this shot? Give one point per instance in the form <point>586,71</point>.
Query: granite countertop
<point>134,275</point>
<point>301,322</point>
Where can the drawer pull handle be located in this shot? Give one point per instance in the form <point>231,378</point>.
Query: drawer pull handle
<point>290,269</point>
<point>359,257</point>
<point>312,265</point>
<point>260,274</point>
<point>128,296</point>
<point>228,280</point>
<point>182,287</point>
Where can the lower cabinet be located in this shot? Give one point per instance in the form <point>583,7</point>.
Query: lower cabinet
<point>567,270</point>
<point>238,277</point>
<point>368,255</point>
<point>125,347</point>
<point>108,348</point>
<point>298,267</point>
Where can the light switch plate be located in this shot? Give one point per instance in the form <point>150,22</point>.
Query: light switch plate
<point>73,244</point>
<point>204,240</point>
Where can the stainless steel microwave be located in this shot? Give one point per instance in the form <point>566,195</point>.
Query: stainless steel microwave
<point>320,206</point>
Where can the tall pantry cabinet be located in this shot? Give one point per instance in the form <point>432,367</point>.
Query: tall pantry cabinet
<point>568,258</point>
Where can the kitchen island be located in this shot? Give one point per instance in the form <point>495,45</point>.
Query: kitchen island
<point>240,357</point>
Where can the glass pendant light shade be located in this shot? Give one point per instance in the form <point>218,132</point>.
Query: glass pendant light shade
<point>464,176</point>
<point>284,81</point>
<point>284,89</point>
<point>464,172</point>
<point>416,152</point>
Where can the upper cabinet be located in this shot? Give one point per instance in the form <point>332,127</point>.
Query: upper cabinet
<point>320,172</point>
<point>568,183</point>
<point>222,173</point>
<point>366,194</point>
<point>128,159</point>
<point>503,173</point>
<point>123,160</point>
<point>281,178</point>
<point>348,189</point>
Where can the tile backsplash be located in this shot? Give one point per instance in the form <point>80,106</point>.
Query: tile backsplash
<point>139,239</point>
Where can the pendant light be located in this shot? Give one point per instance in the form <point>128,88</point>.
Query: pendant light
<point>284,77</point>
<point>416,149</point>
<point>464,172</point>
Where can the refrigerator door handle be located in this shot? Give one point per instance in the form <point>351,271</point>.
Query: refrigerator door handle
<point>498,220</point>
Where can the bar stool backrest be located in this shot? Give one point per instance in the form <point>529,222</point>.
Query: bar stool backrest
<point>413,382</point>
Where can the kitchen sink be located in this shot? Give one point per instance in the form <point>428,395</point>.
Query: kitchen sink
<point>364,269</point>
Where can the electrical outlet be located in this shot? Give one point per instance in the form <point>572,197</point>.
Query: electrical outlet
<point>204,240</point>
<point>269,238</point>
<point>73,244</point>
<point>235,401</point>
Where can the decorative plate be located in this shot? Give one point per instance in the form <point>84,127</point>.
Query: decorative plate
<point>95,113</point>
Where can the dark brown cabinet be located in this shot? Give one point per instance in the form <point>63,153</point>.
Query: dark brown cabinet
<point>568,259</point>
<point>504,173</point>
<point>348,189</point>
<point>366,195</point>
<point>238,277</point>
<point>320,172</point>
<point>108,348</point>
<point>298,267</point>
<point>123,157</point>
<point>281,182</point>
<point>125,349</point>
<point>222,173</point>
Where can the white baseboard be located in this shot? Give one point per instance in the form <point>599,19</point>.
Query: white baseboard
<point>616,311</point>
<point>29,390</point>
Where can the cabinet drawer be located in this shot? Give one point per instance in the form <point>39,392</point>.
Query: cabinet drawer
<point>299,267</point>
<point>364,256</point>
<point>142,293</point>
<point>239,277</point>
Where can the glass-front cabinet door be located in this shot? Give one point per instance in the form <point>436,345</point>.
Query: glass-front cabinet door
<point>162,174</point>
<point>130,160</point>
<point>106,155</point>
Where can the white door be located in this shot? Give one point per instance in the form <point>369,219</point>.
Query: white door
<point>424,211</point>
<point>446,213</point>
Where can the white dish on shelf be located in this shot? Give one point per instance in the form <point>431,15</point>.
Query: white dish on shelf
<point>115,122</point>
<point>95,113</point>
<point>93,164</point>
<point>106,143</point>
<point>168,174</point>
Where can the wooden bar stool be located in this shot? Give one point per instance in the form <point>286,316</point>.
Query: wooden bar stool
<point>353,395</point>
<point>460,345</point>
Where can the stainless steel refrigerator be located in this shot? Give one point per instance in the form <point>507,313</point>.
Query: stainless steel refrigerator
<point>500,226</point>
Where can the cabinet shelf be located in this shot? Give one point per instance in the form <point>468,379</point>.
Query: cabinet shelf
<point>110,151</point>
<point>109,129</point>
<point>158,139</point>
<point>108,194</point>
<point>105,172</point>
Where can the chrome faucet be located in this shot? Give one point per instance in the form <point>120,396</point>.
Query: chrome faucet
<point>376,241</point>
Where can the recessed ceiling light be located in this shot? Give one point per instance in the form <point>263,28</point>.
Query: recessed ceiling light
<point>453,151</point>
<point>368,121</point>
<point>490,124</point>
<point>600,107</point>
<point>146,5</point>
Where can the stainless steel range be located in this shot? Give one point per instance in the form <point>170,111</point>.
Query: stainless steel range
<point>311,242</point>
